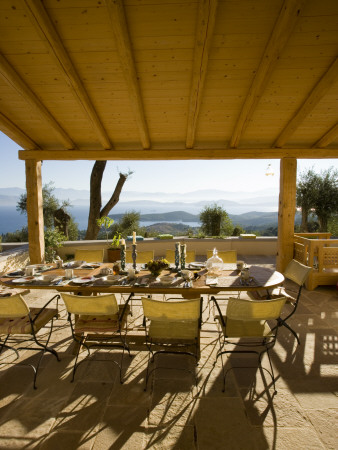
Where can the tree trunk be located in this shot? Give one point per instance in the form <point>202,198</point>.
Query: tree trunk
<point>304,227</point>
<point>323,221</point>
<point>95,211</point>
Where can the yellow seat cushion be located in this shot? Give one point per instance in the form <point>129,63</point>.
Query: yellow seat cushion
<point>101,323</point>
<point>21,325</point>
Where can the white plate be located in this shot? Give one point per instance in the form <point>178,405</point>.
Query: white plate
<point>82,280</point>
<point>12,275</point>
<point>196,265</point>
<point>23,280</point>
<point>90,266</point>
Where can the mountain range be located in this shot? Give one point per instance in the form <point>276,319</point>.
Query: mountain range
<point>162,202</point>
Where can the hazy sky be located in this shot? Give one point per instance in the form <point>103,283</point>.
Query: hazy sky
<point>154,176</point>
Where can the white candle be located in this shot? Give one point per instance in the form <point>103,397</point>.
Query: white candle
<point>134,237</point>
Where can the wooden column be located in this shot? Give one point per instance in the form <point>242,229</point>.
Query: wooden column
<point>286,211</point>
<point>34,211</point>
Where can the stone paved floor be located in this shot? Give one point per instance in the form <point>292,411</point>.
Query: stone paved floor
<point>96,412</point>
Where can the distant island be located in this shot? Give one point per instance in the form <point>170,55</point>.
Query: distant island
<point>159,211</point>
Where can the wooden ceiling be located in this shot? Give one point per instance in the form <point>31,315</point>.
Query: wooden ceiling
<point>169,79</point>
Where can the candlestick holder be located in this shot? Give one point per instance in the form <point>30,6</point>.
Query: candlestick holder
<point>134,255</point>
<point>183,256</point>
<point>177,255</point>
<point>123,257</point>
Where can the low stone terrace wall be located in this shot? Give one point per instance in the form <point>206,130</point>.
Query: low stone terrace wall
<point>264,246</point>
<point>12,259</point>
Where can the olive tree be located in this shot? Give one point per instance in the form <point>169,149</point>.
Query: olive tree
<point>305,196</point>
<point>51,204</point>
<point>326,198</point>
<point>215,221</point>
<point>317,194</point>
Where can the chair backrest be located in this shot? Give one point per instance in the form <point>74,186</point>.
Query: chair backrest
<point>141,257</point>
<point>227,256</point>
<point>185,310</point>
<point>297,272</point>
<point>189,257</point>
<point>13,306</point>
<point>89,255</point>
<point>99,305</point>
<point>300,252</point>
<point>254,310</point>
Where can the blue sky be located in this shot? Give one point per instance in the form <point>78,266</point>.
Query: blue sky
<point>154,176</point>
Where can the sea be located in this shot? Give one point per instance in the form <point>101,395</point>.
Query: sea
<point>12,220</point>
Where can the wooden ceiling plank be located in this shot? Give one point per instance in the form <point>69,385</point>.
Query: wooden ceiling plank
<point>204,32</point>
<point>281,32</point>
<point>16,134</point>
<point>320,89</point>
<point>46,29</point>
<point>13,79</point>
<point>178,154</point>
<point>328,137</point>
<point>124,48</point>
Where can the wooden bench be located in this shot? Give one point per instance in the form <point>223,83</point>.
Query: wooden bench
<point>322,255</point>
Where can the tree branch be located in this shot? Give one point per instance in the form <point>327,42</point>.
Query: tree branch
<point>115,196</point>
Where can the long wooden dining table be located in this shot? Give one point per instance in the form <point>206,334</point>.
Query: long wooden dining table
<point>91,281</point>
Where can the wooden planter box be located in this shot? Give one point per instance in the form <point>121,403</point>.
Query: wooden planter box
<point>113,254</point>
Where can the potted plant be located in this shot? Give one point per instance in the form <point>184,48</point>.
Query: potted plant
<point>155,267</point>
<point>113,247</point>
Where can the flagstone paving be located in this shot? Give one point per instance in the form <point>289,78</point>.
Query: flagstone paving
<point>97,412</point>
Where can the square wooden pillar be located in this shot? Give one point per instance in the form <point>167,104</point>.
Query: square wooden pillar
<point>35,212</point>
<point>286,212</point>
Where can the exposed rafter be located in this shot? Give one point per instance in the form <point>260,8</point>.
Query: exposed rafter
<point>120,27</point>
<point>13,79</point>
<point>204,32</point>
<point>46,29</point>
<point>328,137</point>
<point>178,154</point>
<point>283,28</point>
<point>16,134</point>
<point>321,88</point>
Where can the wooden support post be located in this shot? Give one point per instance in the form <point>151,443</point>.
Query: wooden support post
<point>34,211</point>
<point>286,212</point>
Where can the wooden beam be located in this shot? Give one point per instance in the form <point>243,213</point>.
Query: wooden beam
<point>328,137</point>
<point>204,32</point>
<point>286,212</point>
<point>13,79</point>
<point>321,88</point>
<point>119,24</point>
<point>177,154</point>
<point>16,134</point>
<point>281,32</point>
<point>47,31</point>
<point>34,212</point>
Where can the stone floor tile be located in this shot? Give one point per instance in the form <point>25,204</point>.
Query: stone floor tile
<point>287,438</point>
<point>29,418</point>
<point>84,407</point>
<point>211,384</point>
<point>222,423</point>
<point>67,440</point>
<point>283,411</point>
<point>172,402</point>
<point>325,422</point>
<point>171,437</point>
<point>122,427</point>
<point>315,394</point>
